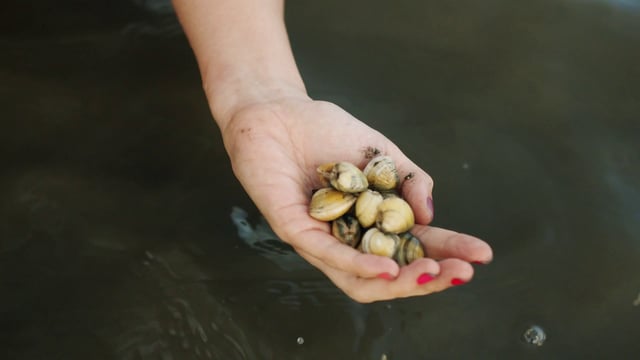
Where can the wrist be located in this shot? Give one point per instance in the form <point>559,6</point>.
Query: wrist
<point>229,94</point>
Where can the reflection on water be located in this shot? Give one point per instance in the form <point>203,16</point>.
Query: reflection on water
<point>160,22</point>
<point>186,313</point>
<point>157,7</point>
<point>622,4</point>
<point>264,241</point>
<point>179,318</point>
<point>296,295</point>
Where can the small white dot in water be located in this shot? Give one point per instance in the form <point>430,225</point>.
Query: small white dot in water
<point>300,340</point>
<point>636,302</point>
<point>535,335</point>
<point>465,165</point>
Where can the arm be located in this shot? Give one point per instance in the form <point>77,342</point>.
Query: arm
<point>243,52</point>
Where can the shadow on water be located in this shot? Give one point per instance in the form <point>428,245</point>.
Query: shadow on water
<point>116,241</point>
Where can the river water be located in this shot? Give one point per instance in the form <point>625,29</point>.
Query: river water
<point>124,235</point>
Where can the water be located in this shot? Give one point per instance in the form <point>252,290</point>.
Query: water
<point>116,240</point>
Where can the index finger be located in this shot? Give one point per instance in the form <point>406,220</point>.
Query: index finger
<point>442,244</point>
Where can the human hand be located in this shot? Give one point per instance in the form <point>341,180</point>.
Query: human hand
<point>275,148</point>
<point>276,137</point>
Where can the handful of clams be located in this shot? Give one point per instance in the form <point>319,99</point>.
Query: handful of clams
<point>365,210</point>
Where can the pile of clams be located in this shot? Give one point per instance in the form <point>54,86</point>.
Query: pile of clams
<point>365,210</point>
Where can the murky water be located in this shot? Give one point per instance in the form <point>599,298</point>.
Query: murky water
<point>116,241</point>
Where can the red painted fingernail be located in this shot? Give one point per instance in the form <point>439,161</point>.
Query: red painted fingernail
<point>424,278</point>
<point>478,262</point>
<point>385,276</point>
<point>430,206</point>
<point>456,282</point>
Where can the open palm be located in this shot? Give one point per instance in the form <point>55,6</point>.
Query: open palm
<point>275,149</point>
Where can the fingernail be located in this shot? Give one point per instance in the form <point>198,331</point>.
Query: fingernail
<point>424,278</point>
<point>456,282</point>
<point>478,262</point>
<point>430,206</point>
<point>385,276</point>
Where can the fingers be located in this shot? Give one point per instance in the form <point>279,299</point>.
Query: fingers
<point>358,274</point>
<point>453,272</point>
<point>442,243</point>
<point>421,277</point>
<point>374,289</point>
<point>417,188</point>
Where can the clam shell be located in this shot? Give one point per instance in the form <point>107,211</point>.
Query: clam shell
<point>409,249</point>
<point>394,215</point>
<point>329,204</point>
<point>376,242</point>
<point>389,193</point>
<point>381,173</point>
<point>344,176</point>
<point>347,230</point>
<point>367,207</point>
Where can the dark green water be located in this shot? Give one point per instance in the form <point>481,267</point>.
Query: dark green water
<point>116,240</point>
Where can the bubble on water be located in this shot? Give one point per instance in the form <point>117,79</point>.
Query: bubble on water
<point>300,340</point>
<point>535,335</point>
<point>465,166</point>
<point>636,302</point>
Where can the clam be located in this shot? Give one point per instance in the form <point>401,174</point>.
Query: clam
<point>347,230</point>
<point>367,207</point>
<point>394,215</point>
<point>381,173</point>
<point>376,242</point>
<point>389,193</point>
<point>344,176</point>
<point>329,204</point>
<point>409,249</point>
<point>354,200</point>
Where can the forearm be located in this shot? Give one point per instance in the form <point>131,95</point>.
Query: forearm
<point>243,52</point>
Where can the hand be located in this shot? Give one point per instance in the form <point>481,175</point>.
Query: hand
<point>275,148</point>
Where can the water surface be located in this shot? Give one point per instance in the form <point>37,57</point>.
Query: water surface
<point>116,240</point>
